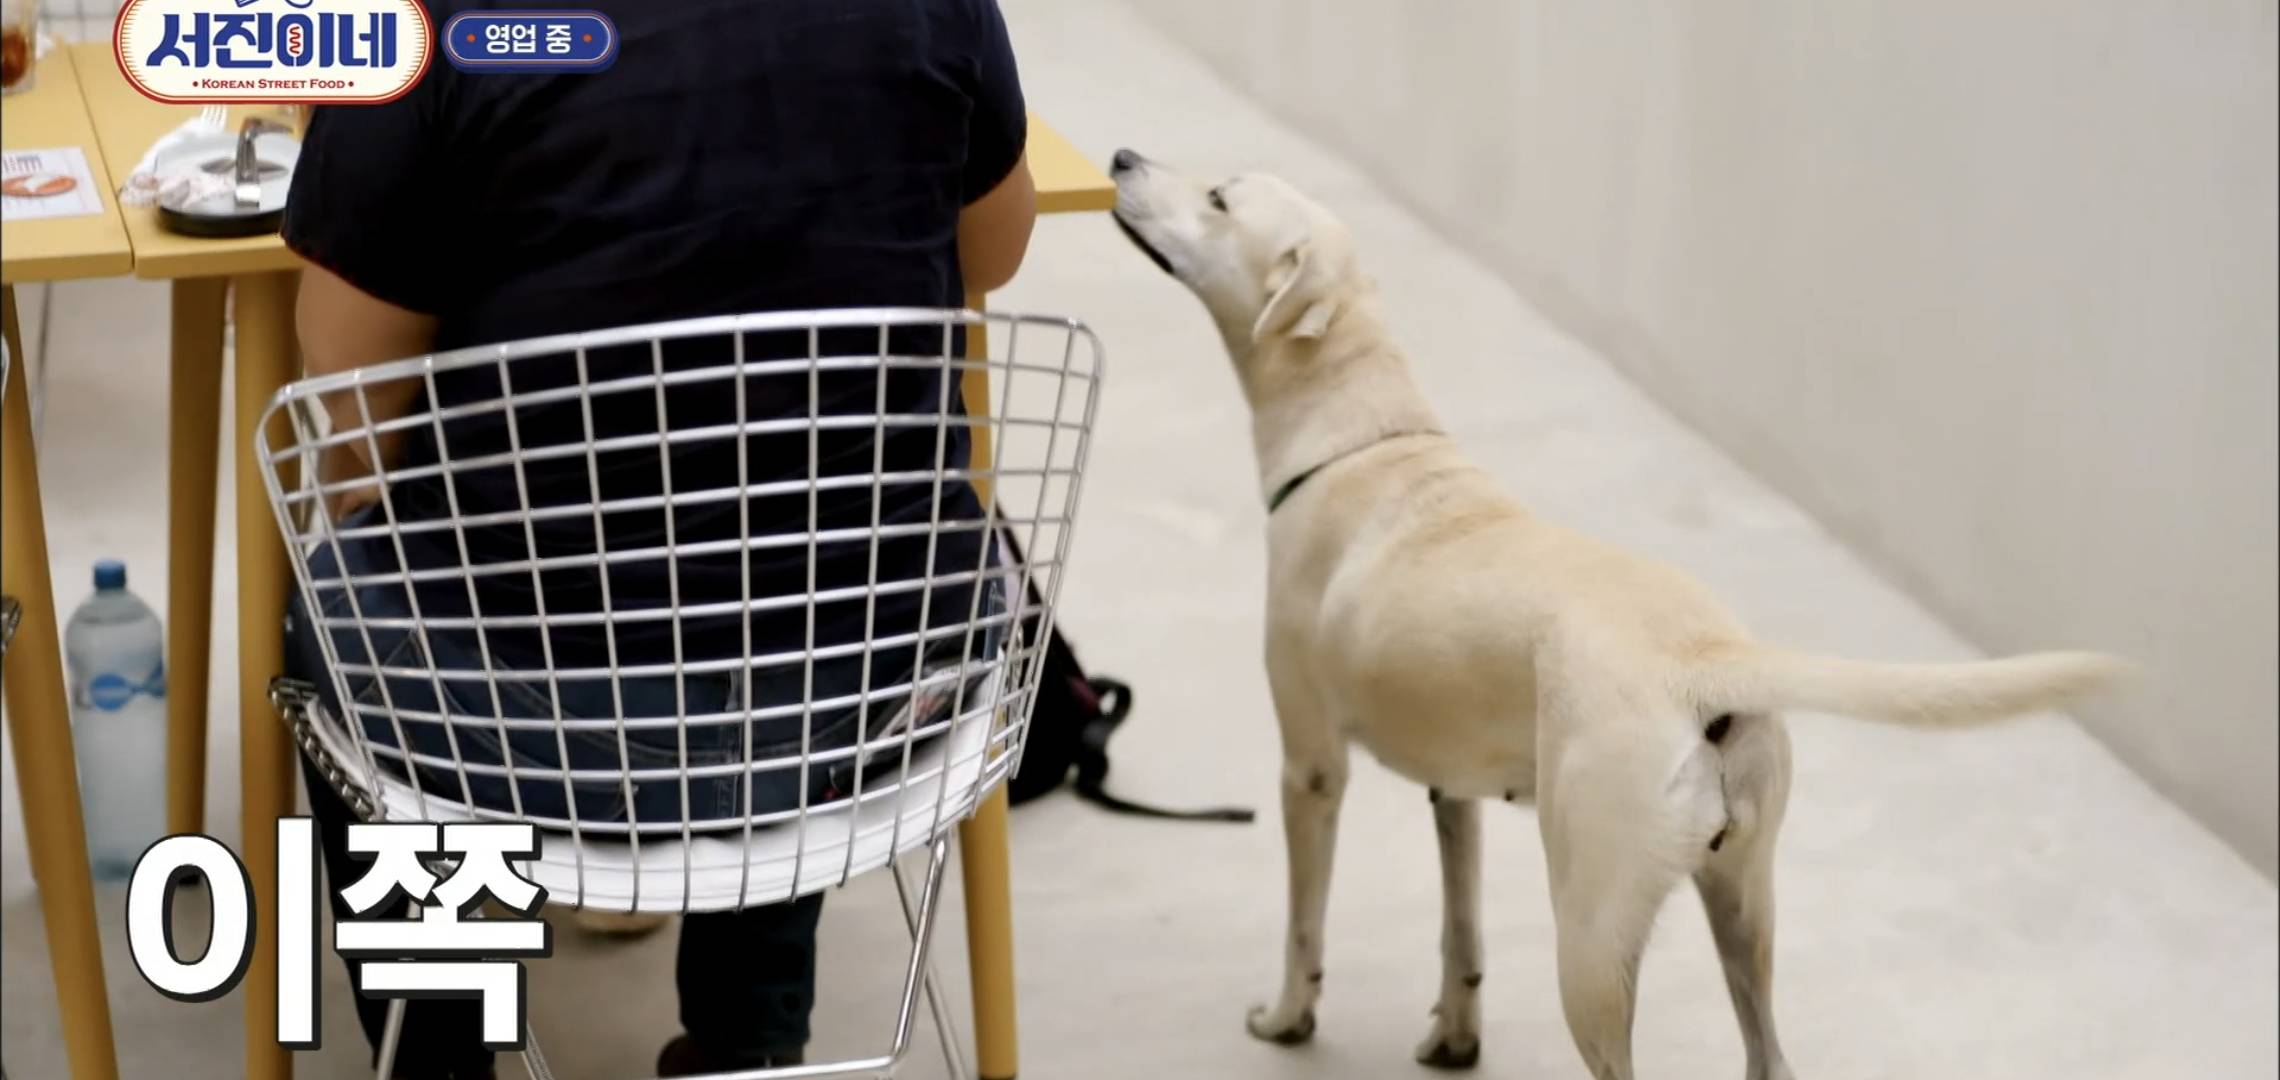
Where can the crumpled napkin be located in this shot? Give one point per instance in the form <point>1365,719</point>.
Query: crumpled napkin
<point>145,186</point>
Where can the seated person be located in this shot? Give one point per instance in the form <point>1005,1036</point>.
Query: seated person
<point>736,158</point>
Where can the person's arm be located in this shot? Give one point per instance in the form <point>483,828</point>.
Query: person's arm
<point>993,231</point>
<point>343,328</point>
<point>366,219</point>
<point>1000,197</point>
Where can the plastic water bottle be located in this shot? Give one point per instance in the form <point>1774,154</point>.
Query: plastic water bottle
<point>117,656</point>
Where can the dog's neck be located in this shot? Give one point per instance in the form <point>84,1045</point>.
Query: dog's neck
<point>1313,401</point>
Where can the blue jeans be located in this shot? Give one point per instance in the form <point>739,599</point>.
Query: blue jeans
<point>746,978</point>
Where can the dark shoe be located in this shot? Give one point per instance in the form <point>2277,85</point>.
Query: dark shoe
<point>682,1058</point>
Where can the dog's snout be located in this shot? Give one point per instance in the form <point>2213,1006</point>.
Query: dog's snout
<point>1126,160</point>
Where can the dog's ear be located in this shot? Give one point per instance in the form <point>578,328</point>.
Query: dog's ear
<point>1299,300</point>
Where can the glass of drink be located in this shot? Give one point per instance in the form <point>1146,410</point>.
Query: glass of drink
<point>19,43</point>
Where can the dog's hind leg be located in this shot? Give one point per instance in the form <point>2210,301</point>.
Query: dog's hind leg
<point>1454,1042</point>
<point>1736,884</point>
<point>1738,895</point>
<point>1615,843</point>
<point>1313,784</point>
<point>1620,831</point>
<point>1605,907</point>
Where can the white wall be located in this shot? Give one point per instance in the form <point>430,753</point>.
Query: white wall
<point>1989,287</point>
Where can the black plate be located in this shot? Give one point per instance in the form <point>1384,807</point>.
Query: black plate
<point>201,223</point>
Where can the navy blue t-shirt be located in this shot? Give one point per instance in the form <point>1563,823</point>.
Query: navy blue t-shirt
<point>738,157</point>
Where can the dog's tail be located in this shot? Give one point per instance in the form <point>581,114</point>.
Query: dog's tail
<point>1759,679</point>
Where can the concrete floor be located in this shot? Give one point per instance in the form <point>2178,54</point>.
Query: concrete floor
<point>2009,904</point>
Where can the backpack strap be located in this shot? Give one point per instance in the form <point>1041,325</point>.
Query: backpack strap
<point>1106,703</point>
<point>1115,701</point>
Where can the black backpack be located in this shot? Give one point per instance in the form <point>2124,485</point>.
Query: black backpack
<point>1070,726</point>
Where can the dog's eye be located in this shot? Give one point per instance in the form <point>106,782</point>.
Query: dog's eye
<point>1218,200</point>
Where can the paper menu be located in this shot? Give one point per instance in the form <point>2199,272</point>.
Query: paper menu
<point>36,184</point>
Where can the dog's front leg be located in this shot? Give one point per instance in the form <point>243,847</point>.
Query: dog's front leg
<point>1313,785</point>
<point>1454,1042</point>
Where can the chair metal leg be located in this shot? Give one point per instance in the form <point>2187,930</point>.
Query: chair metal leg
<point>953,1055</point>
<point>391,1035</point>
<point>906,1014</point>
<point>918,978</point>
<point>922,938</point>
<point>392,1031</point>
<point>533,1061</point>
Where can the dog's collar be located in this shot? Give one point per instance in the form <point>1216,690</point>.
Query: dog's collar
<point>1290,487</point>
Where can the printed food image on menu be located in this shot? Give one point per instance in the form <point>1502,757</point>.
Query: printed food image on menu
<point>47,184</point>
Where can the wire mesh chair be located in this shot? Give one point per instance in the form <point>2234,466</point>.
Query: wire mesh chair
<point>721,607</point>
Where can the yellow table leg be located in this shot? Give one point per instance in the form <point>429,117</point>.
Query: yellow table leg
<point>264,309</point>
<point>39,727</point>
<point>988,865</point>
<point>983,850</point>
<point>194,418</point>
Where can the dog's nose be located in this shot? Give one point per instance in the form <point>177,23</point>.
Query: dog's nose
<point>1125,160</point>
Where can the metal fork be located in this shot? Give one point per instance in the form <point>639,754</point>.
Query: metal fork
<point>248,166</point>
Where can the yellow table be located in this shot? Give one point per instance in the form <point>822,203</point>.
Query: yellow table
<point>1067,181</point>
<point>51,116</point>
<point>260,273</point>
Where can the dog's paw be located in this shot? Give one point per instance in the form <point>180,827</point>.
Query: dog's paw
<point>1449,1050</point>
<point>1272,1026</point>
